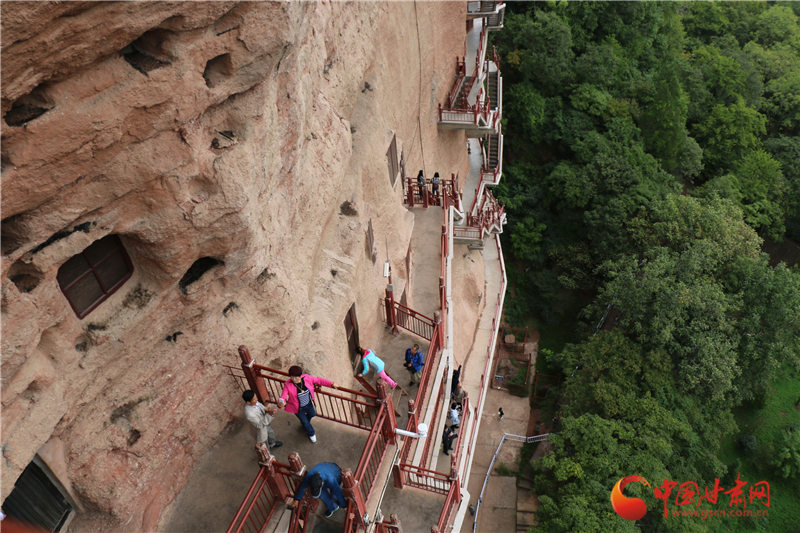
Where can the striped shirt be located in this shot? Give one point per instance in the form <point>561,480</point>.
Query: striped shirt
<point>303,394</point>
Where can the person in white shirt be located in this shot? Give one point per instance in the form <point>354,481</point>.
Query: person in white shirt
<point>454,415</point>
<point>260,418</point>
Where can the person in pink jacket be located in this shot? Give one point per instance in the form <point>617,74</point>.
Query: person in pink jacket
<point>298,397</point>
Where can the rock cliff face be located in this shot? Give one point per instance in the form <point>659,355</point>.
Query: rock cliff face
<point>239,151</point>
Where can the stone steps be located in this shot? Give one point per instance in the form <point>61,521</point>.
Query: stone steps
<point>527,504</point>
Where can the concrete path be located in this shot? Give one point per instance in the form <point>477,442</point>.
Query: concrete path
<point>473,177</point>
<point>222,477</point>
<point>473,42</point>
<point>426,246</point>
<point>498,512</point>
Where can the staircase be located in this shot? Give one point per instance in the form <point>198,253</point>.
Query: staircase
<point>493,152</point>
<point>491,87</point>
<point>463,94</point>
<point>494,21</point>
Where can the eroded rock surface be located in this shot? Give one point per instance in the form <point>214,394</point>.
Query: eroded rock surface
<point>223,135</point>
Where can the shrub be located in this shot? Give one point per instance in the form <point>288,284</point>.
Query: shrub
<point>747,443</point>
<point>503,470</point>
<point>787,461</point>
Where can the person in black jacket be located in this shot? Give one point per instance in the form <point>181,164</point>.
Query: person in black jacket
<point>448,436</point>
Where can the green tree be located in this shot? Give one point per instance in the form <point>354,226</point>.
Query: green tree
<point>787,460</point>
<point>729,133</point>
<point>762,187</point>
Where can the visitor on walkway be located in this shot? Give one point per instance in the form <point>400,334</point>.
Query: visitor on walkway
<point>456,379</point>
<point>370,360</point>
<point>414,364</point>
<point>421,184</point>
<point>458,395</point>
<point>448,436</point>
<point>435,184</point>
<point>260,419</point>
<point>455,411</point>
<point>298,397</point>
<point>325,481</point>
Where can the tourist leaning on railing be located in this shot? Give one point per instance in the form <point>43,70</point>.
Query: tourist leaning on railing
<point>298,397</point>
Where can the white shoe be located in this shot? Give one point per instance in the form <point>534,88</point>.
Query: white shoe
<point>313,438</point>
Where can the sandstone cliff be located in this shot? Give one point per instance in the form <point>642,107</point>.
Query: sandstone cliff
<point>238,150</point>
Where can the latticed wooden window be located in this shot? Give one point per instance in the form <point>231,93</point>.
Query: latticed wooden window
<point>93,275</point>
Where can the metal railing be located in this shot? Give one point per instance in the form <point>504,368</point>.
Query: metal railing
<point>506,436</point>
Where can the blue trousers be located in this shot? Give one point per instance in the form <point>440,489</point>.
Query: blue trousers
<point>305,414</point>
<point>327,498</point>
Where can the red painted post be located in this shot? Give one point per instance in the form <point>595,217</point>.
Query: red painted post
<point>263,452</point>
<point>410,192</point>
<point>437,320</point>
<point>440,112</point>
<point>276,483</point>
<point>425,199</point>
<point>256,383</point>
<point>412,413</point>
<point>397,474</point>
<point>389,304</point>
<point>390,422</point>
<point>391,312</point>
<point>296,464</point>
<point>395,521</point>
<point>352,491</point>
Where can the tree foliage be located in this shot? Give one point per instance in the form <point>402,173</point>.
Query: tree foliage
<point>649,148</point>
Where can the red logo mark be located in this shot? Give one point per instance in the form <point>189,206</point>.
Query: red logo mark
<point>628,508</point>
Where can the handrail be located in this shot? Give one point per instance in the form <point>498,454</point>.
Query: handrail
<point>260,498</point>
<point>433,442</point>
<point>358,411</point>
<point>413,321</point>
<point>447,509</point>
<point>415,313</point>
<point>461,70</point>
<point>372,457</point>
<point>425,478</point>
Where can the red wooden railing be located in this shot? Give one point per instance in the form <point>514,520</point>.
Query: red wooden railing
<point>357,411</point>
<point>476,73</point>
<point>453,498</point>
<point>264,495</point>
<point>461,70</point>
<point>372,456</point>
<point>359,487</point>
<point>433,441</point>
<point>391,526</point>
<point>423,478</point>
<point>414,322</point>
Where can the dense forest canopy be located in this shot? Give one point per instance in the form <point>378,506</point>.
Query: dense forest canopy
<point>650,148</point>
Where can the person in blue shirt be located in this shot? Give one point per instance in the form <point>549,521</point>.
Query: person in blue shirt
<point>370,360</point>
<point>325,482</point>
<point>414,364</point>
